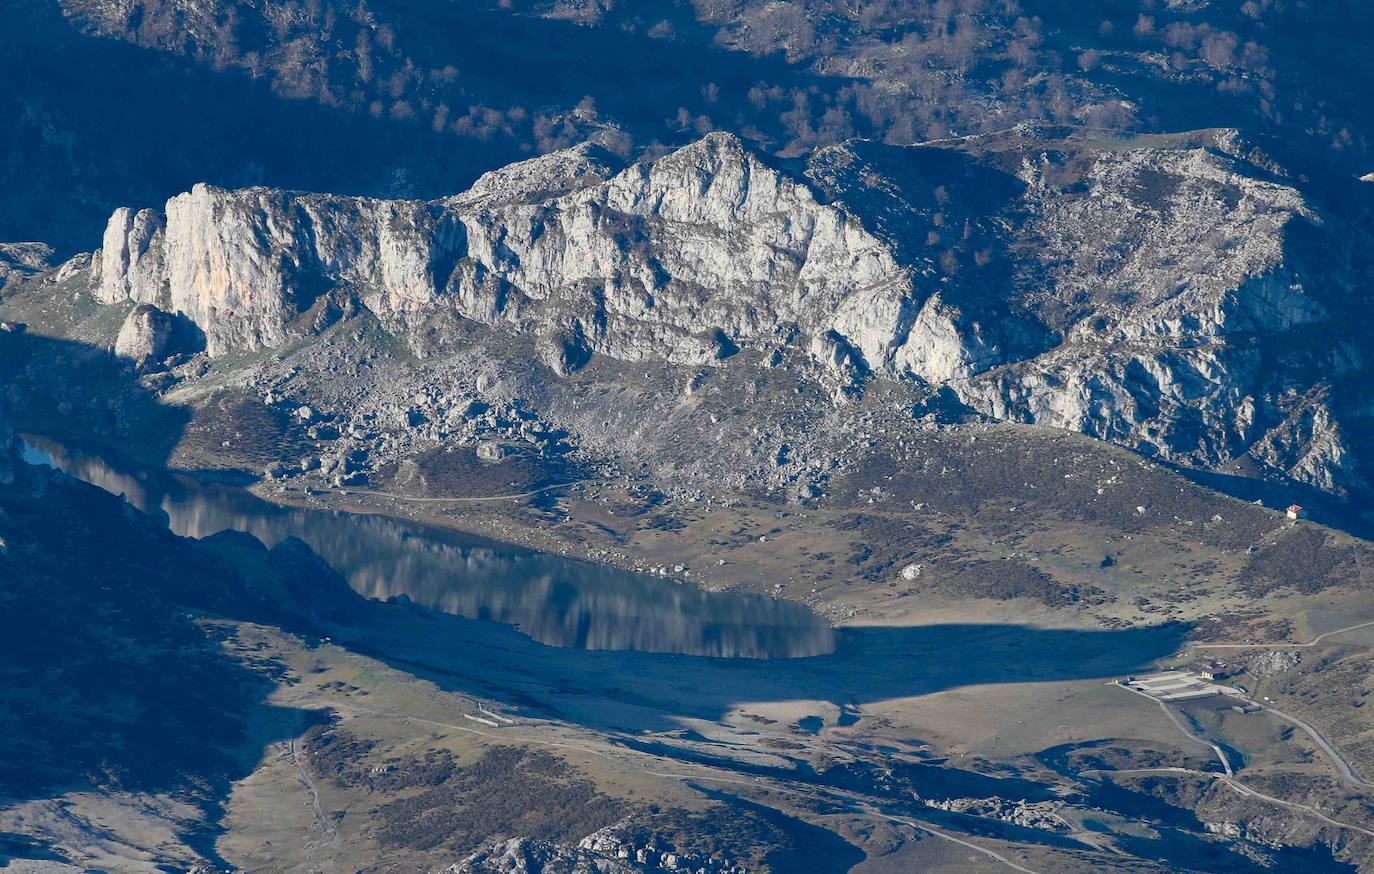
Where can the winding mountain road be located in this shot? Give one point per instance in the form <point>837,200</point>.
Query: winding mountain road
<point>1338,761</point>
<point>1242,789</point>
<point>1313,642</point>
<point>1343,768</point>
<point>1220,753</point>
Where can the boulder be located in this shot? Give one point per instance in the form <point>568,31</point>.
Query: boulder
<point>148,336</point>
<point>564,351</point>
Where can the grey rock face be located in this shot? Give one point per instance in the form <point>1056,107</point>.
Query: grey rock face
<point>147,335</point>
<point>19,261</point>
<point>529,856</point>
<point>1191,279</point>
<point>542,178</point>
<point>126,266</point>
<point>674,260</point>
<point>1162,294</point>
<point>1141,292</point>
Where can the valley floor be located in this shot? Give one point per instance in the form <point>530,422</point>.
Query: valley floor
<point>988,584</point>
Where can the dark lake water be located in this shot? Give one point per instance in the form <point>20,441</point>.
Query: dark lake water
<point>557,601</point>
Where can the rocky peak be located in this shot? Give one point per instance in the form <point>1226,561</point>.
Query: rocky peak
<point>19,261</point>
<point>1137,290</point>
<point>129,264</point>
<point>677,259</point>
<point>541,178</point>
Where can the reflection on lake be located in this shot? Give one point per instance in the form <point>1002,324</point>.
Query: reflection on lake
<point>557,601</point>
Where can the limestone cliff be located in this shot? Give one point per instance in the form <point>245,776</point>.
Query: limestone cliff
<point>679,259</point>
<point>1147,292</point>
<point>1180,294</point>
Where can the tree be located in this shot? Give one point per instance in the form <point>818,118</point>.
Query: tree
<point>362,52</point>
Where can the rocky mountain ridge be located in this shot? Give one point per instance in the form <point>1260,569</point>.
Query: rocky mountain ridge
<point>1155,292</point>
<point>674,260</point>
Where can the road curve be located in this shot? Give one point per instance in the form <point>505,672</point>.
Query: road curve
<point>1220,753</point>
<point>1343,768</point>
<point>1240,788</point>
<point>1313,642</point>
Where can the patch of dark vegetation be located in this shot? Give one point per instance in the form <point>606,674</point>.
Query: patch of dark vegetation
<point>234,430</point>
<point>906,780</point>
<point>1116,755</point>
<point>665,522</point>
<point>1246,624</point>
<point>861,553</point>
<point>509,792</point>
<point>337,754</point>
<point>434,768</point>
<point>1310,788</point>
<point>1303,558</point>
<point>457,470</point>
<point>1004,580</point>
<point>1008,480</point>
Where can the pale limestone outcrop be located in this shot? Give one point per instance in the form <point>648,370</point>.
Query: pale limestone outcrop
<point>541,178</point>
<point>130,262</point>
<point>676,259</point>
<point>147,335</point>
<point>1173,262</point>
<point>1118,290</point>
<point>530,856</point>
<point>1140,292</point>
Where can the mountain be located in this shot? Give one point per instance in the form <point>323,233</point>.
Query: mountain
<point>1179,294</point>
<point>714,436</point>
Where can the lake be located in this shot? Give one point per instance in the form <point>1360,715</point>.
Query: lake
<point>556,601</point>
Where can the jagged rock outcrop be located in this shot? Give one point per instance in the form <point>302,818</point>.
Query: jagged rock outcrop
<point>1177,294</point>
<point>678,259</point>
<point>1042,815</point>
<point>19,261</point>
<point>529,856</point>
<point>147,335</point>
<point>130,264</point>
<point>1141,292</point>
<point>603,852</point>
<point>542,178</point>
<point>1182,277</point>
<point>613,842</point>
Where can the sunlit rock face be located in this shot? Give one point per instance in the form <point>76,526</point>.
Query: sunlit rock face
<point>676,260</point>
<point>1141,291</point>
<point>147,335</point>
<point>1176,294</point>
<point>1184,277</point>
